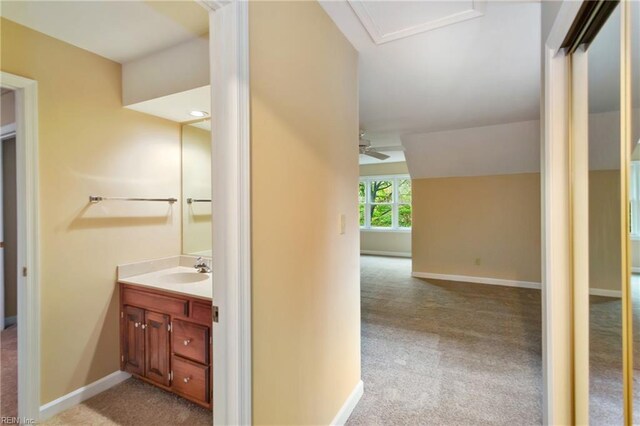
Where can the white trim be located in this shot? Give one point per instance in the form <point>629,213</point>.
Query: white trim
<point>79,395</point>
<point>386,253</point>
<point>28,245</point>
<point>7,131</point>
<point>505,283</point>
<point>378,37</point>
<point>231,184</point>
<point>349,404</point>
<point>604,292</point>
<point>9,321</point>
<point>391,230</point>
<point>477,280</point>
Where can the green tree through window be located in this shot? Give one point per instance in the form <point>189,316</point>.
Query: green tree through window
<point>385,203</point>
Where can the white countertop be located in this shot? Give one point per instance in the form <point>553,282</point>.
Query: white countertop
<point>165,280</point>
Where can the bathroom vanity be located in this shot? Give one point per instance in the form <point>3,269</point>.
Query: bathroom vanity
<point>165,326</point>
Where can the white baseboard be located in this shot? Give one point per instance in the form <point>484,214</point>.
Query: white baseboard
<point>603,292</point>
<point>74,398</point>
<point>9,321</point>
<point>477,280</point>
<point>386,253</point>
<point>506,283</point>
<point>348,406</point>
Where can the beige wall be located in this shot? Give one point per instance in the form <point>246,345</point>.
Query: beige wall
<point>7,108</point>
<point>604,230</point>
<point>89,145</point>
<point>492,218</point>
<point>385,243</point>
<point>398,243</point>
<point>305,289</point>
<point>196,183</point>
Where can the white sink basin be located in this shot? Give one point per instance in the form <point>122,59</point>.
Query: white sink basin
<point>183,277</point>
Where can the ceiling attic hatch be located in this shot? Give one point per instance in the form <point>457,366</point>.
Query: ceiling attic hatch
<point>387,21</point>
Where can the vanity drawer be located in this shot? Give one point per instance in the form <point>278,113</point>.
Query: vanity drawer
<point>190,379</point>
<point>155,302</point>
<point>190,340</point>
<point>201,312</point>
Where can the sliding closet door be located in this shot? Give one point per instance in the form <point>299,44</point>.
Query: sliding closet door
<point>632,37</point>
<point>599,216</point>
<point>607,212</point>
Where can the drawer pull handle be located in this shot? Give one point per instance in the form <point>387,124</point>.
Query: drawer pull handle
<point>187,341</point>
<point>187,379</point>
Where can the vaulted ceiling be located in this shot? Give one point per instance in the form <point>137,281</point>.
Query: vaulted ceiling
<point>481,70</point>
<point>433,66</point>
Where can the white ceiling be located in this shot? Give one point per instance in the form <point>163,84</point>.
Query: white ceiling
<point>476,72</point>
<point>117,30</point>
<point>177,106</point>
<point>432,66</point>
<point>387,21</point>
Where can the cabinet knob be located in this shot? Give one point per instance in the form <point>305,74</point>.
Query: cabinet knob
<point>187,341</point>
<point>144,326</point>
<point>187,379</point>
<point>136,324</point>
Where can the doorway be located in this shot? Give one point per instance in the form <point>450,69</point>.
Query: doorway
<point>20,188</point>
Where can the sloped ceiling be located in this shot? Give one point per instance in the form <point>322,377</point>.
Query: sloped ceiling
<point>479,71</point>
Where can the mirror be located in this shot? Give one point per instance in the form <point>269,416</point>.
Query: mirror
<point>634,199</point>
<point>606,404</point>
<point>196,188</point>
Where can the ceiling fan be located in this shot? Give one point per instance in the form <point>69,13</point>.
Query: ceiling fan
<point>367,149</point>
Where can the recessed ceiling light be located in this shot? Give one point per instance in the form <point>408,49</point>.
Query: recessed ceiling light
<point>199,114</point>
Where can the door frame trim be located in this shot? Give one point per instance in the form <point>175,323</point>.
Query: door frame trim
<point>28,245</point>
<point>231,192</point>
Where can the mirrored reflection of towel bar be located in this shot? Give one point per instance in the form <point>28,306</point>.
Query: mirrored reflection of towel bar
<point>197,200</point>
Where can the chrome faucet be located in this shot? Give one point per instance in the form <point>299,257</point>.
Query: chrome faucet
<point>202,266</point>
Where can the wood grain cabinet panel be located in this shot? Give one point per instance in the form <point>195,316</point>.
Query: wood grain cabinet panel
<point>133,340</point>
<point>165,340</point>
<point>157,348</point>
<point>191,379</point>
<point>190,341</point>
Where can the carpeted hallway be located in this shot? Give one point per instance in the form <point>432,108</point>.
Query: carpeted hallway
<point>8,372</point>
<point>448,353</point>
<point>134,402</point>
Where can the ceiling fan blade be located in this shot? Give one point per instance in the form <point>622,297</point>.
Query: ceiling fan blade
<point>389,148</point>
<point>375,154</point>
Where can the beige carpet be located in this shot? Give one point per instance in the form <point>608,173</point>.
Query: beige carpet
<point>448,353</point>
<point>9,372</point>
<point>134,402</point>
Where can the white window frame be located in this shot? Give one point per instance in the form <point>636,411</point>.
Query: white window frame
<point>395,179</point>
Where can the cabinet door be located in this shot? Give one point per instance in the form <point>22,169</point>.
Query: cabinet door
<point>133,340</point>
<point>157,348</point>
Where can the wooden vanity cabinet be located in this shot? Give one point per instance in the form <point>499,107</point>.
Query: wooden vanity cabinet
<point>166,341</point>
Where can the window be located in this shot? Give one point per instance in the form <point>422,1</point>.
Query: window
<point>634,200</point>
<point>385,202</point>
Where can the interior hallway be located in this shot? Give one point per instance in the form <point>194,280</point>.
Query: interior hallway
<point>9,372</point>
